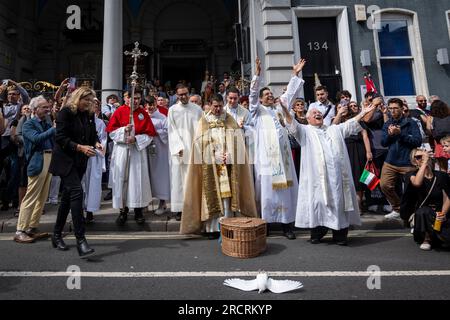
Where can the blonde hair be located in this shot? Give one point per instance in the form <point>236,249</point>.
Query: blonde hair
<point>77,95</point>
<point>445,139</point>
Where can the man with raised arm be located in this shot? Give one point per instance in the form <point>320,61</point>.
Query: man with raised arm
<point>327,196</point>
<point>276,183</point>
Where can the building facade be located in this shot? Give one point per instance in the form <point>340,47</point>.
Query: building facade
<point>397,42</point>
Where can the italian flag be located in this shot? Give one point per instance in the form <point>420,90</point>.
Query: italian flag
<point>369,179</point>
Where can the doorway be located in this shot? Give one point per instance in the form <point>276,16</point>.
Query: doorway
<point>319,46</point>
<point>189,69</point>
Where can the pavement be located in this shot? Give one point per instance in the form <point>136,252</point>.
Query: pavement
<point>105,221</point>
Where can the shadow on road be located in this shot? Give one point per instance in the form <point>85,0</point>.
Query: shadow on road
<point>9,284</point>
<point>132,246</point>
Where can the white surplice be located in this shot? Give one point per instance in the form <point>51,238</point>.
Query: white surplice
<point>327,195</point>
<point>159,159</point>
<point>92,180</point>
<point>275,205</point>
<point>139,194</point>
<point>182,123</point>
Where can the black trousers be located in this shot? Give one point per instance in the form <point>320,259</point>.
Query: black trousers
<point>423,223</point>
<point>71,201</point>
<point>338,235</point>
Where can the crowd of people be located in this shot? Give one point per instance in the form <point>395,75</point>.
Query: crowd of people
<point>221,154</point>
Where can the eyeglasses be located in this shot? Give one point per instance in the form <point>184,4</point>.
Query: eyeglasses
<point>418,158</point>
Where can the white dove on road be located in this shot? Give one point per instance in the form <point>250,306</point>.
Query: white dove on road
<point>263,283</point>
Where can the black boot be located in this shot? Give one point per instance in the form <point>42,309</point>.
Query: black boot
<point>340,237</point>
<point>122,219</point>
<point>288,231</point>
<point>317,234</point>
<point>89,217</point>
<point>58,242</point>
<point>83,248</point>
<point>139,216</point>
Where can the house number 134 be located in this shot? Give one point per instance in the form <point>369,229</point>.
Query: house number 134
<point>316,46</point>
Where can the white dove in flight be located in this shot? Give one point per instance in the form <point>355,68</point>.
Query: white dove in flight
<point>263,283</point>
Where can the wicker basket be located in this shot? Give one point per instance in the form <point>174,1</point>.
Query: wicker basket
<point>243,237</point>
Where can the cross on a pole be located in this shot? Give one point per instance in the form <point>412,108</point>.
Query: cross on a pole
<point>136,53</point>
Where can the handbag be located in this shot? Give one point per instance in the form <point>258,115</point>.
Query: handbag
<point>370,176</point>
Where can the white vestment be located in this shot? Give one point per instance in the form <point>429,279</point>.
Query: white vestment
<point>327,195</point>
<point>139,194</point>
<point>159,158</point>
<point>182,123</point>
<point>240,114</point>
<point>92,180</point>
<point>273,157</point>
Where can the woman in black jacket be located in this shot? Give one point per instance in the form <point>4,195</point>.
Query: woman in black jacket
<point>427,194</point>
<point>76,141</point>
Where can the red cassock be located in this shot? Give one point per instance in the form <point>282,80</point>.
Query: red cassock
<point>142,122</point>
<point>164,111</point>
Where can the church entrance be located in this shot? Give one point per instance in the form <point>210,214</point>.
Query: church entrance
<point>191,70</point>
<point>188,38</point>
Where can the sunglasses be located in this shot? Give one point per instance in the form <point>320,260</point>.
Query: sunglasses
<point>418,158</point>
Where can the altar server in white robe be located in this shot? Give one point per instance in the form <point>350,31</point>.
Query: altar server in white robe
<point>276,182</point>
<point>159,157</point>
<point>135,137</point>
<point>182,123</point>
<point>327,196</point>
<point>92,180</point>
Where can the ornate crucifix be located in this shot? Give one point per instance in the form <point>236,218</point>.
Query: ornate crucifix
<point>136,53</point>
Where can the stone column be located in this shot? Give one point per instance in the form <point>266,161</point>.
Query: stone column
<point>112,73</point>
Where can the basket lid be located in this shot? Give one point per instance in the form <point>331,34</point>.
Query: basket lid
<point>243,222</point>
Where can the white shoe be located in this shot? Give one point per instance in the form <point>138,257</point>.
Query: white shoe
<point>373,208</point>
<point>160,211</point>
<point>425,246</point>
<point>394,215</point>
<point>387,208</point>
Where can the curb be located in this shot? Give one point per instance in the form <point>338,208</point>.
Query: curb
<point>174,226</point>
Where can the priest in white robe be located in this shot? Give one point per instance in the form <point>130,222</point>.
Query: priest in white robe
<point>159,157</point>
<point>133,140</point>
<point>182,123</point>
<point>326,196</point>
<point>92,180</point>
<point>276,182</point>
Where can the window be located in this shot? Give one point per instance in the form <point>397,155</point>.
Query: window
<point>399,53</point>
<point>396,58</point>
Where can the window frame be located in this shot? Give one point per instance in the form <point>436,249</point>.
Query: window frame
<point>417,60</point>
<point>447,18</point>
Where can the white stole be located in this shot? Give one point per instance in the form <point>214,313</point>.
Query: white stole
<point>280,170</point>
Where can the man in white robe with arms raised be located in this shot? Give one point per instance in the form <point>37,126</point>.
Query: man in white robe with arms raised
<point>326,196</point>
